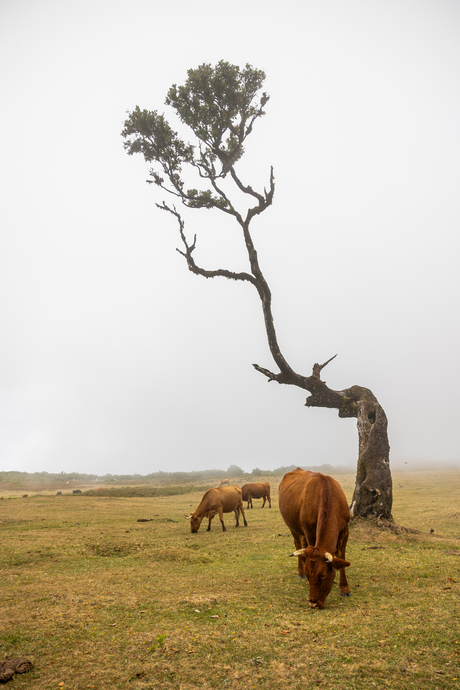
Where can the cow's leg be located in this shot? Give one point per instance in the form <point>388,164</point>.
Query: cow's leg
<point>221,518</point>
<point>265,498</point>
<point>345,590</point>
<point>237,516</point>
<point>341,547</point>
<point>209,524</point>
<point>269,501</point>
<point>241,509</point>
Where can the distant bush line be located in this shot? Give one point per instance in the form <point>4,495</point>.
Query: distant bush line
<point>27,481</point>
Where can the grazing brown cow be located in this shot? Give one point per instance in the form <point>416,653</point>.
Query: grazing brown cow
<point>222,500</point>
<point>260,490</point>
<point>315,509</point>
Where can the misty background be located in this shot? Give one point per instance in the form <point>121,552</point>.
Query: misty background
<point>114,358</point>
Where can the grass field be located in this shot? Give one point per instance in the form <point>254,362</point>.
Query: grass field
<point>98,600</point>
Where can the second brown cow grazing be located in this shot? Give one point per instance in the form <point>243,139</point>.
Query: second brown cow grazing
<point>315,509</point>
<point>257,490</point>
<point>225,499</point>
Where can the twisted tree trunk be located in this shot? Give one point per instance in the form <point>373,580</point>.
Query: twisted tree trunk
<point>373,493</point>
<point>219,105</point>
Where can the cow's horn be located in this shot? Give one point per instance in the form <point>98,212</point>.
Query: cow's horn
<point>328,557</point>
<point>298,553</point>
<point>188,517</point>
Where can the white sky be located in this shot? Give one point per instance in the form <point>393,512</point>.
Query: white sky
<point>113,356</point>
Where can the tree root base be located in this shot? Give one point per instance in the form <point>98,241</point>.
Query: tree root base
<point>389,525</point>
<point>393,527</point>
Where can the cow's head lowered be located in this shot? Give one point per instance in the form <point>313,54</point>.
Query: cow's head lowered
<point>319,567</point>
<point>195,522</point>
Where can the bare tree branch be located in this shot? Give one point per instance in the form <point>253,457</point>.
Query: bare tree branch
<point>220,272</point>
<point>318,367</point>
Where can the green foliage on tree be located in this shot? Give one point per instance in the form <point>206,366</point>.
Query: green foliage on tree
<point>220,106</point>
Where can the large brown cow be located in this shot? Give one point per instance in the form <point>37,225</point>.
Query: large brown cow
<point>218,501</point>
<point>260,490</point>
<point>315,509</point>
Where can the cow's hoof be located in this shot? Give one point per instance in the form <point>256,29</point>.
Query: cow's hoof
<point>345,594</point>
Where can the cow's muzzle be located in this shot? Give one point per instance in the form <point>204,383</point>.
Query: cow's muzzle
<point>316,604</point>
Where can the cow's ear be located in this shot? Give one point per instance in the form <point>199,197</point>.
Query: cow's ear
<point>339,563</point>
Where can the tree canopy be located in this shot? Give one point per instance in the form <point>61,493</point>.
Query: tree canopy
<point>220,105</point>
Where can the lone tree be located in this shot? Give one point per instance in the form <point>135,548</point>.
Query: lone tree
<point>221,105</point>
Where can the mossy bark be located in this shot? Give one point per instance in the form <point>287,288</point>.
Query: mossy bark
<point>373,492</point>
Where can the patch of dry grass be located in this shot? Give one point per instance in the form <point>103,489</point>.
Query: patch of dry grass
<point>97,600</point>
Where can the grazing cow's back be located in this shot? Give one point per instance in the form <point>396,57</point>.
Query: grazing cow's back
<point>257,490</point>
<point>315,509</point>
<point>225,499</point>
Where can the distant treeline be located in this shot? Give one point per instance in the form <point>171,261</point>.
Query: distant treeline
<point>47,480</point>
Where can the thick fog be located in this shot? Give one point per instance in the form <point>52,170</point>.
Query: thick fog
<point>114,358</point>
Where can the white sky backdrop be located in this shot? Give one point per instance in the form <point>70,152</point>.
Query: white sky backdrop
<point>113,356</point>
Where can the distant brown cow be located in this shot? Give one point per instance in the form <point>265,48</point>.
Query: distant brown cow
<point>315,509</point>
<point>260,490</point>
<point>217,502</point>
<point>225,482</point>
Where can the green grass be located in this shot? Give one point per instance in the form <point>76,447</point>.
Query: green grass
<point>98,600</point>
